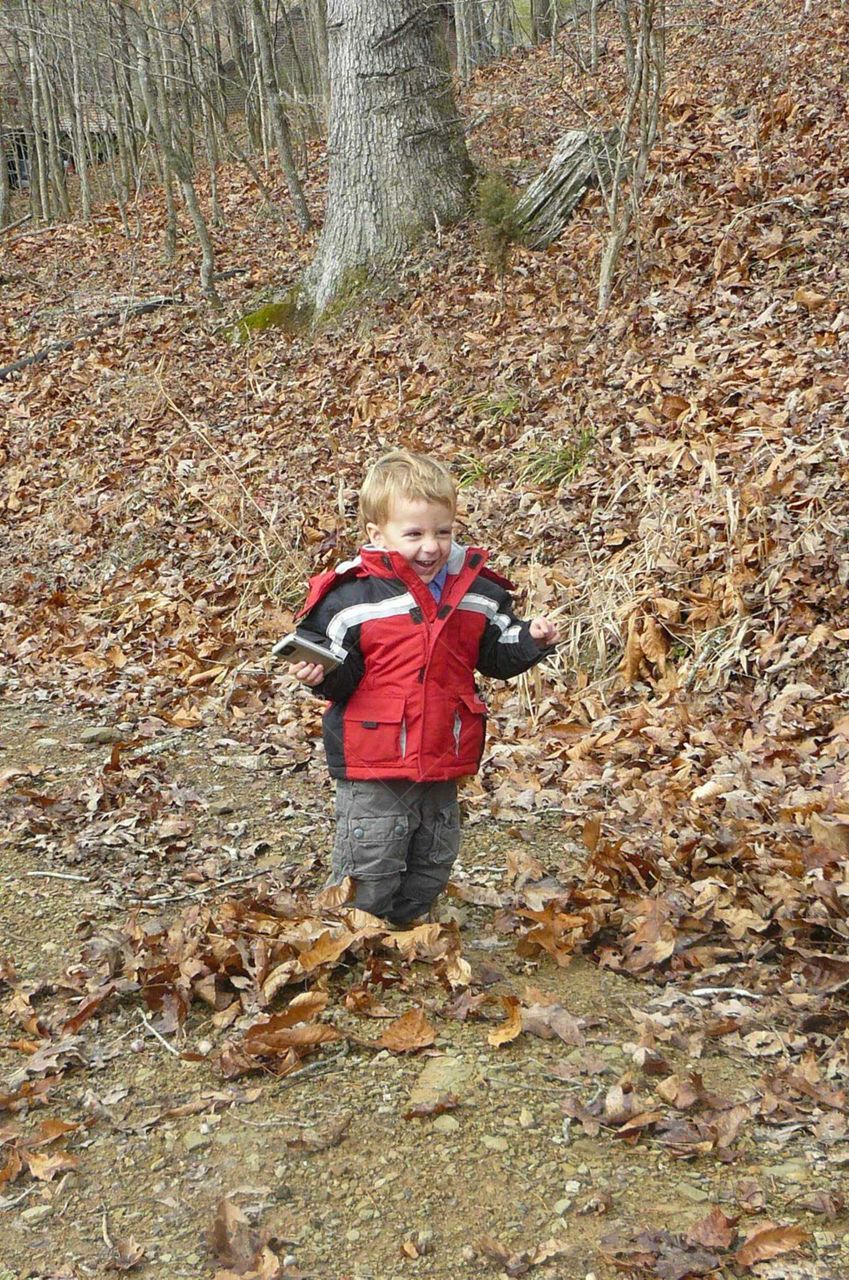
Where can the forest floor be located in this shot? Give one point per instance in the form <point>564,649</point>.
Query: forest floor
<point>381,1193</point>
<point>623,1048</point>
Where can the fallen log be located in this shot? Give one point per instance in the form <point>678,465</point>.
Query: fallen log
<point>4,231</point>
<point>54,348</point>
<point>545,208</point>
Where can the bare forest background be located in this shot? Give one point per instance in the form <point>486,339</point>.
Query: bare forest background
<point>99,100</point>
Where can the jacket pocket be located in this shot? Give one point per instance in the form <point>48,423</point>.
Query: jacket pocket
<point>375,731</point>
<point>469,727</point>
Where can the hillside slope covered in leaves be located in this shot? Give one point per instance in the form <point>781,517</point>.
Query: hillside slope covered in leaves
<point>670,479</point>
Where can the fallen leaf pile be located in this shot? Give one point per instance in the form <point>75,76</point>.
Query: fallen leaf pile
<point>709,1244</point>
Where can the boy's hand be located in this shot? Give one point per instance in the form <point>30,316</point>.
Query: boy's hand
<point>544,631</point>
<point>311,673</point>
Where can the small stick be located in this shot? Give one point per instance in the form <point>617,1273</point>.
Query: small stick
<point>55,348</point>
<point>725,991</point>
<point>194,893</point>
<point>58,875</point>
<point>10,1204</point>
<point>11,227</point>
<point>161,1039</point>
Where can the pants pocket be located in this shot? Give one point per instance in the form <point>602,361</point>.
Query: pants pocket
<point>445,837</point>
<point>376,846</point>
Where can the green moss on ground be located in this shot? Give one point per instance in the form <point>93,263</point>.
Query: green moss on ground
<point>291,313</point>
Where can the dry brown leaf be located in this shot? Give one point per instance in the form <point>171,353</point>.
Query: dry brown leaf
<point>809,299</point>
<point>770,1241</point>
<point>591,833</point>
<point>714,1231</point>
<point>654,643</point>
<point>44,1166</point>
<point>10,1170</point>
<point>511,1027</point>
<point>321,1139</point>
<point>410,1032</point>
<point>522,867</point>
<point>231,1237</point>
<point>549,1020</point>
<point>268,1039</point>
<point>49,1130</point>
<point>327,950</point>
<point>457,970</point>
<point>831,832</point>
<point>424,942</point>
<point>335,895</point>
<point>126,1254</point>
<point>632,657</point>
<point>439,1106</point>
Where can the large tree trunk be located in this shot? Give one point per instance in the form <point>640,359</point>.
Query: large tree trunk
<point>398,159</point>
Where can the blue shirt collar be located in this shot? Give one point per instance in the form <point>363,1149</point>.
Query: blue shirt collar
<point>436,585</point>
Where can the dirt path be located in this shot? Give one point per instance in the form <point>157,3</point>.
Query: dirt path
<point>325,1161</point>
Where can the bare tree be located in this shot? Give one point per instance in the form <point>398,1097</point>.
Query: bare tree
<point>176,158</point>
<point>625,167</point>
<point>5,184</point>
<point>279,124</point>
<point>474,44</point>
<point>79,119</point>
<point>544,19</point>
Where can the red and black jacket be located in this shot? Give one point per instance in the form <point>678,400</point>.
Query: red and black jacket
<point>403,704</point>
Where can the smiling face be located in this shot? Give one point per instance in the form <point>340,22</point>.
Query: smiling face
<point>420,531</point>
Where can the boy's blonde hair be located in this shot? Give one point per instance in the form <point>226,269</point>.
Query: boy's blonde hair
<point>407,475</point>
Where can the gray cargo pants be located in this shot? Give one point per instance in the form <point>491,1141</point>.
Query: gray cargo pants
<point>398,841</point>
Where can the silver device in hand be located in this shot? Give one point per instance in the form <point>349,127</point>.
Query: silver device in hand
<point>295,648</point>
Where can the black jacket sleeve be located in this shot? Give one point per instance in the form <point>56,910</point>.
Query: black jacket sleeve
<point>339,684</point>
<point>507,647</point>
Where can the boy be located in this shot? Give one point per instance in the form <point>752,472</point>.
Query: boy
<point>412,617</point>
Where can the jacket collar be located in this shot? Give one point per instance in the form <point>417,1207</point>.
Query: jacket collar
<point>374,561</point>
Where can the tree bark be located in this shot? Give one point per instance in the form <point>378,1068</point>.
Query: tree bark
<point>37,151</point>
<point>315,14</point>
<point>503,37</point>
<point>474,45</point>
<point>543,19</point>
<point>398,159</point>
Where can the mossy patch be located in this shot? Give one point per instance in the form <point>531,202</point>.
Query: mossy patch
<point>295,312</point>
<point>351,288</point>
<point>292,313</point>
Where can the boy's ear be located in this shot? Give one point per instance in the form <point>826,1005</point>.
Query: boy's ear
<point>374,535</point>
